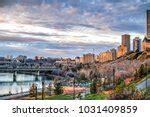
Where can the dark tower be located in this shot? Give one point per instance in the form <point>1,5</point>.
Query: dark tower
<point>126,41</point>
<point>148,24</point>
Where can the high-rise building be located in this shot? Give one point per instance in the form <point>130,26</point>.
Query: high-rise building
<point>126,41</point>
<point>81,59</point>
<point>148,24</point>
<point>105,56</point>
<point>146,44</point>
<point>122,50</point>
<point>113,53</point>
<point>146,40</point>
<point>88,58</point>
<point>136,44</point>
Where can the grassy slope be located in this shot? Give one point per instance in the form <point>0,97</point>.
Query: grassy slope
<point>95,96</point>
<point>59,97</point>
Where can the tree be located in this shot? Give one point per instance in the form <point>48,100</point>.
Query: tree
<point>79,66</point>
<point>142,71</point>
<point>49,89</point>
<point>81,78</point>
<point>136,75</point>
<point>93,87</point>
<point>73,69</point>
<point>33,91</point>
<point>43,90</point>
<point>58,88</point>
<point>120,80</point>
<point>120,85</point>
<point>99,84</point>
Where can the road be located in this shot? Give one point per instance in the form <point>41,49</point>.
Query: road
<point>142,85</point>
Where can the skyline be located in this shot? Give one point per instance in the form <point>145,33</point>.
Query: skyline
<point>68,28</point>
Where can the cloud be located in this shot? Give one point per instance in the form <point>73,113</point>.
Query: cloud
<point>52,49</point>
<point>48,25</point>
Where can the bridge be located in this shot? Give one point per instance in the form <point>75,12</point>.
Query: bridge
<point>29,70</point>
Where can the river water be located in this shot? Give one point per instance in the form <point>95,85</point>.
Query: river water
<point>10,83</point>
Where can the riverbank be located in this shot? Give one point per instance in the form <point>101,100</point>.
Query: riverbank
<point>69,90</point>
<point>25,95</point>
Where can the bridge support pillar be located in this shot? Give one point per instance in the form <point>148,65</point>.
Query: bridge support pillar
<point>14,76</point>
<point>15,72</point>
<point>38,73</point>
<point>36,78</point>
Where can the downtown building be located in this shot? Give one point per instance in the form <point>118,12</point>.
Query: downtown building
<point>87,58</point>
<point>81,59</point>
<point>146,40</point>
<point>114,54</point>
<point>122,50</point>
<point>136,44</point>
<point>125,45</point>
<point>126,41</point>
<point>146,44</point>
<point>105,56</point>
<point>148,24</point>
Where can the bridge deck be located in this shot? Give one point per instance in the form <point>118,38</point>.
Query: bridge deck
<point>28,69</point>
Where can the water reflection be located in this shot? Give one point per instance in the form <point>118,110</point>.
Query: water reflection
<point>36,78</point>
<point>14,77</point>
<point>11,83</point>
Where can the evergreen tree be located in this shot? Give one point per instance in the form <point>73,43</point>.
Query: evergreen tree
<point>58,88</point>
<point>142,71</point>
<point>93,87</point>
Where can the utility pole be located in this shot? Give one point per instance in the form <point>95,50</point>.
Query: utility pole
<point>113,77</point>
<point>42,90</point>
<point>35,92</point>
<point>146,74</point>
<point>14,76</point>
<point>74,88</point>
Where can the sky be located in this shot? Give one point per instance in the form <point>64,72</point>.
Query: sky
<point>68,28</point>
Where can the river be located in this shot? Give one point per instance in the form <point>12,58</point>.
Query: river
<point>10,83</point>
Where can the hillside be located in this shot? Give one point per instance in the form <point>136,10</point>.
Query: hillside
<point>137,55</point>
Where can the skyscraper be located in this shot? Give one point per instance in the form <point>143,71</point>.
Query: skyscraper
<point>113,53</point>
<point>136,44</point>
<point>146,40</point>
<point>148,24</point>
<point>126,41</point>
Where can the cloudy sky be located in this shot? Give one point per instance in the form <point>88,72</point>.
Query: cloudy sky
<point>68,28</point>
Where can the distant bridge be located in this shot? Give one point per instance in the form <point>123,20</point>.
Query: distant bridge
<point>26,69</point>
<point>36,70</point>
